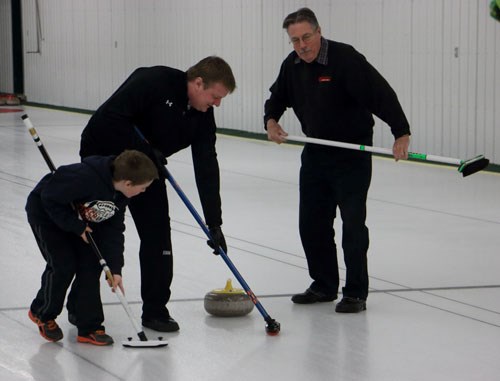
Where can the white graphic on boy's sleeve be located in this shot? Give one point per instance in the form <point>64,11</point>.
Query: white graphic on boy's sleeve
<point>97,211</point>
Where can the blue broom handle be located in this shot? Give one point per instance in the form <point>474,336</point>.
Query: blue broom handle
<point>221,251</point>
<point>200,221</point>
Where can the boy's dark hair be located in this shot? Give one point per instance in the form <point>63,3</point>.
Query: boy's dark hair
<point>212,70</point>
<point>134,166</point>
<point>302,15</point>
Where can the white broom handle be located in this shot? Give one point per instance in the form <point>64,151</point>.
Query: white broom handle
<point>118,291</point>
<point>128,310</point>
<point>383,151</point>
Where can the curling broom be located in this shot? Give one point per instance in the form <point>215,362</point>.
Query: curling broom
<point>465,167</point>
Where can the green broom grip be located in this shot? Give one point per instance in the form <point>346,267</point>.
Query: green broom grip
<point>419,156</point>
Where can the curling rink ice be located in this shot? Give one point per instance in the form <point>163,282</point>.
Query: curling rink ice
<point>433,312</point>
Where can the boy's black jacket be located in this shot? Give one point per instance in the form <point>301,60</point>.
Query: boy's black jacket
<point>89,187</point>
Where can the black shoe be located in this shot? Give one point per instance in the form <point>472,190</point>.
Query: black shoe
<point>350,305</point>
<point>310,296</point>
<point>161,324</point>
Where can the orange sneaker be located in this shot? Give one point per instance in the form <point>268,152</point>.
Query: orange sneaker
<point>97,337</point>
<point>49,330</point>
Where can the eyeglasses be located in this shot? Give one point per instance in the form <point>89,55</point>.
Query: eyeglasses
<point>306,38</point>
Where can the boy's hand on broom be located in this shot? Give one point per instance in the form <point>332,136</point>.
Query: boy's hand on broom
<point>84,234</point>
<point>117,282</point>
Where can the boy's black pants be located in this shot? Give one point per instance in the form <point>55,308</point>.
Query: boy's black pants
<point>68,256</point>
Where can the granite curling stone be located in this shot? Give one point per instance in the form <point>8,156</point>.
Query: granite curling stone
<point>228,301</point>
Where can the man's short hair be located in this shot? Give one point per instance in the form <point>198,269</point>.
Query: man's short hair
<point>302,15</point>
<point>135,167</point>
<point>212,70</point>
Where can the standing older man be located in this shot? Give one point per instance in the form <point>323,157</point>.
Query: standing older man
<point>333,91</point>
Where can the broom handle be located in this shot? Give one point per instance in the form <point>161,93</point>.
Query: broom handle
<point>36,138</point>
<point>379,150</point>
<point>205,229</point>
<point>52,167</point>
<point>118,291</point>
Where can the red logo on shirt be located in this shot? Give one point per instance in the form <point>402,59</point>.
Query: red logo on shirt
<point>324,79</point>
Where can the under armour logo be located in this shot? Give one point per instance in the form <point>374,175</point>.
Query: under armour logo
<point>169,103</point>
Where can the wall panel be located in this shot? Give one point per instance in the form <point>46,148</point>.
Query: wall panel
<point>6,56</point>
<point>395,63</point>
<point>494,127</point>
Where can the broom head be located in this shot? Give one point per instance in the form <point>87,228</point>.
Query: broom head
<point>471,166</point>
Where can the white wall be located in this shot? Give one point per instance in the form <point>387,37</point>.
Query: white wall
<point>6,63</point>
<point>441,56</point>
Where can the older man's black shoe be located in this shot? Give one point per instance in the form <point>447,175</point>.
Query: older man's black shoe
<point>350,305</point>
<point>161,324</point>
<point>310,296</point>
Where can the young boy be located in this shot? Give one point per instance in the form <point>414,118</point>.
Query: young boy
<point>90,196</point>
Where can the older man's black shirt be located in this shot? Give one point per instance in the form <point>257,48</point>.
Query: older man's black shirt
<point>335,96</point>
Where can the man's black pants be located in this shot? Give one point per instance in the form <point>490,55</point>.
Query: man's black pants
<point>326,183</point>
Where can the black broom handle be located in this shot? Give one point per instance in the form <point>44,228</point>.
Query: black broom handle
<point>52,167</point>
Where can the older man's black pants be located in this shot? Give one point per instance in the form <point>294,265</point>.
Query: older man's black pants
<point>326,182</point>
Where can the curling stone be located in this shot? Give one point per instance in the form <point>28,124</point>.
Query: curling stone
<point>228,301</point>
